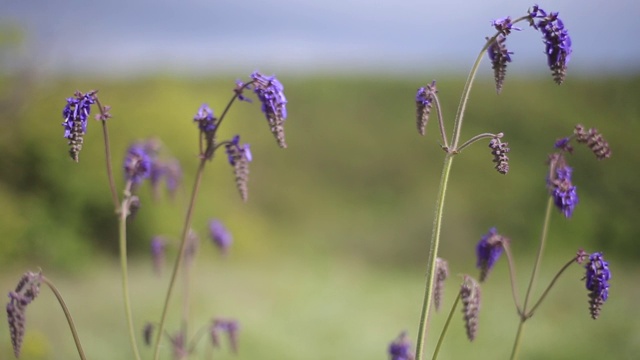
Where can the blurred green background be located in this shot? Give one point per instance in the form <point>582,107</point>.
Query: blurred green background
<point>329,252</point>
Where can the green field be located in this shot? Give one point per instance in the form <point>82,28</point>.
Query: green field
<point>329,252</point>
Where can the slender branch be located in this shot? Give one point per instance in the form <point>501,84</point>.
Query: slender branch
<point>178,262</point>
<point>107,151</point>
<point>546,291</point>
<point>512,275</point>
<point>67,314</point>
<point>443,133</point>
<point>476,138</point>
<point>446,327</point>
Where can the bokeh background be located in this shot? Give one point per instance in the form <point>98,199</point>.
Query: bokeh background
<point>329,253</point>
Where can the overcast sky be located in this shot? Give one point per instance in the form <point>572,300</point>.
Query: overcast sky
<point>193,36</point>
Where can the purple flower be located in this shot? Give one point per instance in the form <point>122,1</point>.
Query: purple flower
<point>400,348</point>
<point>556,39</point>
<point>205,119</point>
<point>499,150</point>
<point>488,251</point>
<point>137,164</point>
<point>240,87</point>
<point>228,326</point>
<point>220,236</point>
<point>504,25</point>
<point>270,92</point>
<point>239,157</point>
<point>597,282</point>
<point>424,101</point>
<point>75,115</point>
<point>564,193</point>
<point>499,56</point>
<point>564,144</point>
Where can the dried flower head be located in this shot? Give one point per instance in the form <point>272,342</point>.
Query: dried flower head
<point>424,102</point>
<point>207,123</point>
<point>270,92</point>
<point>499,56</point>
<point>488,252</point>
<point>556,39</point>
<point>137,164</point>
<point>239,157</point>
<point>400,348</point>
<point>75,115</point>
<point>227,326</point>
<point>470,297</point>
<point>597,282</point>
<point>25,292</point>
<point>564,193</point>
<point>499,150</point>
<point>220,236</point>
<point>594,140</point>
<point>442,272</point>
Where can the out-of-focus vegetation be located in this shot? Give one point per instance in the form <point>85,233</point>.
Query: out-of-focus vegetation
<point>328,252</point>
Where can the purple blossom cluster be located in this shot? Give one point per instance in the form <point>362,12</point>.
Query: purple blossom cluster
<point>137,164</point>
<point>425,97</point>
<point>270,92</point>
<point>556,39</point>
<point>597,282</point>
<point>488,251</point>
<point>76,114</point>
<point>220,236</point>
<point>400,348</point>
<point>239,157</point>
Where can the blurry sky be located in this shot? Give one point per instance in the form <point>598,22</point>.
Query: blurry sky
<point>209,36</point>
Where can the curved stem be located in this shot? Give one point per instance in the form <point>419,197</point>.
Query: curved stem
<point>446,327</point>
<point>433,254</point>
<point>67,314</point>
<point>546,291</point>
<point>176,267</point>
<point>107,151</point>
<point>124,212</point>
<point>512,276</point>
<point>443,133</point>
<point>476,138</point>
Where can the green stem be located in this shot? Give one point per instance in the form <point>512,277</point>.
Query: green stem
<point>433,254</point>
<point>67,314</point>
<point>107,151</point>
<point>443,132</point>
<point>176,267</point>
<point>124,212</point>
<point>534,275</point>
<point>476,138</point>
<point>512,276</point>
<point>446,327</point>
<point>546,291</point>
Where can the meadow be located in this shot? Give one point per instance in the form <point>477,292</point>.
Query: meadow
<point>328,254</point>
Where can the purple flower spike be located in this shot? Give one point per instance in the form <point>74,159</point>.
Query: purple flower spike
<point>556,39</point>
<point>239,157</point>
<point>564,193</point>
<point>488,251</point>
<point>499,56</point>
<point>597,282</point>
<point>205,119</point>
<point>424,101</point>
<point>137,164</point>
<point>274,104</point>
<point>75,115</point>
<point>504,25</point>
<point>400,348</point>
<point>220,235</point>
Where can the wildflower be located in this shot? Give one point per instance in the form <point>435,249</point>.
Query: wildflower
<point>488,251</point>
<point>470,297</point>
<point>239,157</point>
<point>564,193</point>
<point>594,140</point>
<point>220,236</point>
<point>556,39</point>
<point>499,56</point>
<point>597,282</point>
<point>75,115</point>
<point>564,144</point>
<point>207,125</point>
<point>25,292</point>
<point>442,272</point>
<point>424,101</point>
<point>400,348</point>
<point>137,164</point>
<point>504,25</point>
<point>158,246</point>
<point>228,326</point>
<point>270,92</point>
<point>499,151</point>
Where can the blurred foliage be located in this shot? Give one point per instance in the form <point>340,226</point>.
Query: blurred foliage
<point>356,179</point>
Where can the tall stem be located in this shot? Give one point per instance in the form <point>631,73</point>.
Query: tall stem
<point>176,267</point>
<point>107,152</point>
<point>124,212</point>
<point>433,254</point>
<point>534,275</point>
<point>67,314</point>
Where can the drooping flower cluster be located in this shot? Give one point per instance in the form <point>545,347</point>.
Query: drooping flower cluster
<point>207,123</point>
<point>220,236</point>
<point>499,150</point>
<point>270,92</point>
<point>424,102</point>
<point>75,114</point>
<point>26,291</point>
<point>137,164</point>
<point>470,297</point>
<point>228,326</point>
<point>488,251</point>
<point>564,193</point>
<point>239,157</point>
<point>499,56</point>
<point>597,282</point>
<point>442,272</point>
<point>400,348</point>
<point>594,140</point>
<point>556,39</point>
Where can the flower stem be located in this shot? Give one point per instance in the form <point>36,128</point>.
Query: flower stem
<point>512,276</point>
<point>433,254</point>
<point>476,138</point>
<point>67,314</point>
<point>124,212</point>
<point>546,291</point>
<point>446,327</point>
<point>176,267</point>
<point>107,151</point>
<point>534,275</point>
